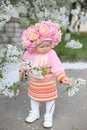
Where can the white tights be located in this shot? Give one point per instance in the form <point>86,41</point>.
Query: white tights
<point>50,106</point>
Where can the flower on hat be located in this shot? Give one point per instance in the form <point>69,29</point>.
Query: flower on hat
<point>35,34</point>
<point>43,29</point>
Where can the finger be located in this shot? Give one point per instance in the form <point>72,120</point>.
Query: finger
<point>69,82</point>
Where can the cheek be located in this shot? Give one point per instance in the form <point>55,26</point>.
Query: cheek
<point>39,49</point>
<point>49,48</point>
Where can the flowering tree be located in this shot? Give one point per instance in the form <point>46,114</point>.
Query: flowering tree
<point>38,10</point>
<point>4,17</point>
<point>9,72</point>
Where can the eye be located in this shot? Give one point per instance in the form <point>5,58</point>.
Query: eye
<point>47,45</point>
<point>31,41</point>
<point>41,46</point>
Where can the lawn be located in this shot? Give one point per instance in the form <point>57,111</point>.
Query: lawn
<point>68,54</point>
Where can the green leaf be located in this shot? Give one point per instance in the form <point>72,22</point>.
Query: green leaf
<point>15,87</point>
<point>1,76</point>
<point>32,21</point>
<point>22,79</point>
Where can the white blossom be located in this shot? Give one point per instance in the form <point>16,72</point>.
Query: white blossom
<point>10,68</point>
<point>32,70</point>
<point>71,93</point>
<point>74,44</point>
<point>72,89</point>
<point>13,54</point>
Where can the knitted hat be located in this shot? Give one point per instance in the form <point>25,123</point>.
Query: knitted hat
<point>35,34</point>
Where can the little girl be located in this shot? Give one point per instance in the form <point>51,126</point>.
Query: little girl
<point>40,39</point>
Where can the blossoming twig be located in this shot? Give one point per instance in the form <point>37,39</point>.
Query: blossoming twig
<point>39,72</point>
<point>8,85</point>
<point>72,89</point>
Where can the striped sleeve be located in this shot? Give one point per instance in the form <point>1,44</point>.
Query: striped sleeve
<point>61,75</point>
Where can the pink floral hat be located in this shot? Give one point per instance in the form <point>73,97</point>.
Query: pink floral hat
<point>35,34</point>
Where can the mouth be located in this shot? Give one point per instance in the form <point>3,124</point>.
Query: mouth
<point>44,52</point>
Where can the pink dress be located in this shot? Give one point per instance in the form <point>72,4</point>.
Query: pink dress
<point>44,89</point>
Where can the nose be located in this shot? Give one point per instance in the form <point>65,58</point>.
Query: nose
<point>44,49</point>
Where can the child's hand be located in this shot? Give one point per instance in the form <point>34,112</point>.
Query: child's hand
<point>22,72</point>
<point>67,81</point>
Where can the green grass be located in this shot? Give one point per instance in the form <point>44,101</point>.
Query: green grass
<point>68,54</point>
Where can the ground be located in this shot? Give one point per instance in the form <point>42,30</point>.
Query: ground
<point>70,112</point>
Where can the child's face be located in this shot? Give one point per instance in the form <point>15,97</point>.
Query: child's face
<point>43,47</point>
